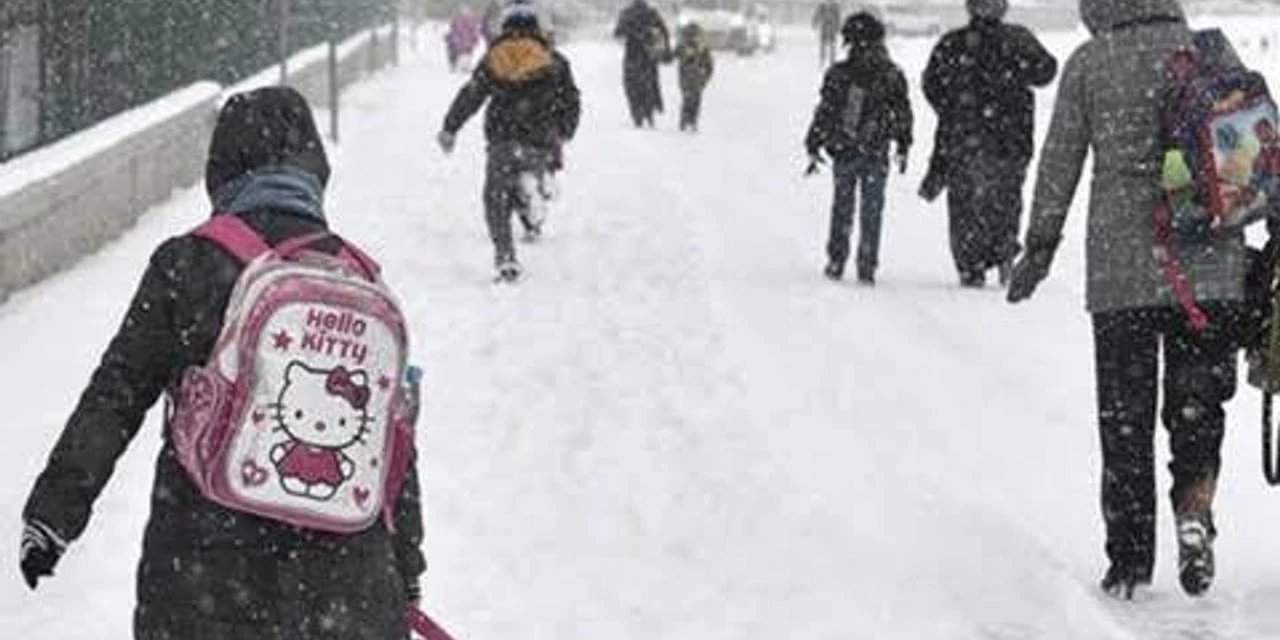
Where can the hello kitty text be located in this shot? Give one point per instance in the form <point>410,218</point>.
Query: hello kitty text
<point>336,334</point>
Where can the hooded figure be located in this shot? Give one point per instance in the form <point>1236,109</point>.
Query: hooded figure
<point>1108,104</point>
<point>863,108</point>
<point>979,81</point>
<point>647,44</point>
<point>208,573</point>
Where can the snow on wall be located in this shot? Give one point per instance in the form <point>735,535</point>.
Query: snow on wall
<point>64,201</point>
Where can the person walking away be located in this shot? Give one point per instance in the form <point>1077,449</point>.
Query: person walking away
<point>864,106</point>
<point>826,21</point>
<point>646,44</point>
<point>464,35</point>
<point>696,67</point>
<point>491,21</point>
<point>1109,103</point>
<point>210,572</point>
<point>533,106</point>
<point>979,80</point>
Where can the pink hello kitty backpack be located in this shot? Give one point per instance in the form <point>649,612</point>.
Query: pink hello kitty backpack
<point>300,414</point>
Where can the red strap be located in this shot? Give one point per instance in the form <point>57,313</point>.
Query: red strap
<point>425,627</point>
<point>234,236</point>
<point>1174,274</point>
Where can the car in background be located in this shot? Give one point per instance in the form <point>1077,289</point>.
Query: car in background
<point>905,23</point>
<point>724,30</point>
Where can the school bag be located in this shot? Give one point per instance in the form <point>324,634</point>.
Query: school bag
<point>301,414</point>
<point>1221,162</point>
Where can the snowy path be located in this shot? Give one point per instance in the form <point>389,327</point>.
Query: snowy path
<point>674,428</point>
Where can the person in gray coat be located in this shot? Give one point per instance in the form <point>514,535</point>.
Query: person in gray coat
<point>1108,103</point>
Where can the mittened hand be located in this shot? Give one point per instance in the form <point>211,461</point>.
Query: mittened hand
<point>815,163</point>
<point>1028,272</point>
<point>41,548</point>
<point>446,140</point>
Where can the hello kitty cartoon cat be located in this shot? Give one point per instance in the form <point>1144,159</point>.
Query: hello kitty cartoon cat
<point>323,412</point>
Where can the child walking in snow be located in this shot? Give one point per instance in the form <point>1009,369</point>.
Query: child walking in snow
<point>209,572</point>
<point>696,66</point>
<point>864,107</point>
<point>533,107</point>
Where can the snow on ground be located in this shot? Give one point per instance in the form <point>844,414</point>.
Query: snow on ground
<point>675,428</point>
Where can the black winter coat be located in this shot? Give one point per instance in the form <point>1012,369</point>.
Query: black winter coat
<point>870,79</point>
<point>979,81</point>
<point>533,99</point>
<point>208,573</point>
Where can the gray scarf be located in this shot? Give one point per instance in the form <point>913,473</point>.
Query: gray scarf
<point>277,188</point>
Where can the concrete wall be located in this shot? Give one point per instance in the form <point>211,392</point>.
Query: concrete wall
<point>61,203</point>
<point>71,201</point>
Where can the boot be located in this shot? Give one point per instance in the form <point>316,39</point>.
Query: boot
<point>508,269</point>
<point>834,271</point>
<point>973,279</point>
<point>867,276</point>
<point>1122,580</point>
<point>1195,553</point>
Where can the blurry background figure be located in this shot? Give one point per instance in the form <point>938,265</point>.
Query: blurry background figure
<point>696,66</point>
<point>464,35</point>
<point>491,21</point>
<point>826,20</point>
<point>647,44</point>
<point>979,81</point>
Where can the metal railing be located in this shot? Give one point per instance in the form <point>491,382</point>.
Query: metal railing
<point>67,64</point>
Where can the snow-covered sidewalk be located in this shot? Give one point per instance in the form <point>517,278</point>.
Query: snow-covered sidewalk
<point>675,428</point>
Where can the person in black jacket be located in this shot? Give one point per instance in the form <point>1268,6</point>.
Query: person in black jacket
<point>979,81</point>
<point>209,573</point>
<point>534,107</point>
<point>864,107</point>
<point>647,43</point>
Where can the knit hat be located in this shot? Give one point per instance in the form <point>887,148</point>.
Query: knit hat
<point>988,9</point>
<point>265,128</point>
<point>521,17</point>
<point>862,30</point>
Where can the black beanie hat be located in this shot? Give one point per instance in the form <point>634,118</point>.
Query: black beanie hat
<point>269,127</point>
<point>862,30</point>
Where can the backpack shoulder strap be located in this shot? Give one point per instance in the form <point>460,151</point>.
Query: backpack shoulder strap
<point>234,236</point>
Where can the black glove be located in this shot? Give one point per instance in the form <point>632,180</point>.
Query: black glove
<point>1028,272</point>
<point>41,548</point>
<point>902,161</point>
<point>815,163</point>
<point>413,589</point>
<point>446,140</point>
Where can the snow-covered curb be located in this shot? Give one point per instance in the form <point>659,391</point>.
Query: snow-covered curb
<point>62,202</point>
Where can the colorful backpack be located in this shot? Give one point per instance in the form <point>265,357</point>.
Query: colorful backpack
<point>300,414</point>
<point>1221,163</point>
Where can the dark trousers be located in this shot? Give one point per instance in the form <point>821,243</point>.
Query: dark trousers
<point>1199,376</point>
<point>857,172</point>
<point>984,202</point>
<point>504,195</point>
<point>690,108</point>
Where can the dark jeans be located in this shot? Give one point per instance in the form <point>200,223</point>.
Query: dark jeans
<point>984,202</point>
<point>1199,376</point>
<point>853,172</point>
<point>690,108</point>
<point>503,193</point>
